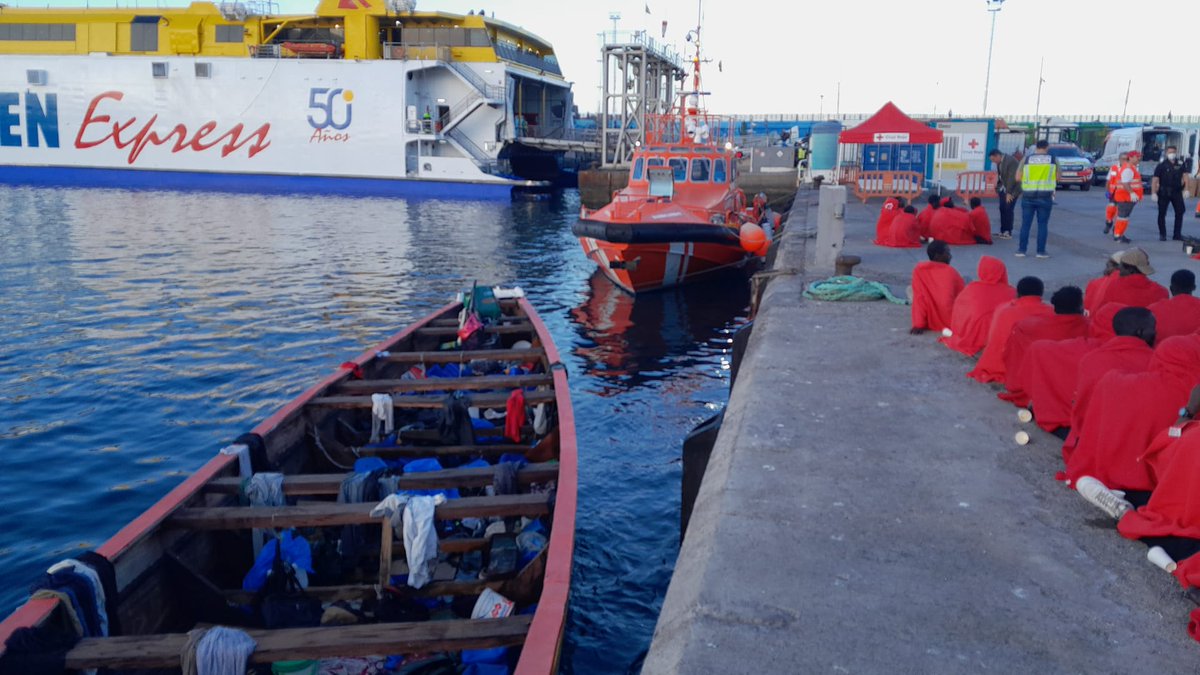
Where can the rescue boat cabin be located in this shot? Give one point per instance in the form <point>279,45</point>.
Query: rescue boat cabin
<point>661,170</point>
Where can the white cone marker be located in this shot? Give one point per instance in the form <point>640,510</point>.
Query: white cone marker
<point>1161,559</point>
<point>1024,416</point>
<point>1022,438</point>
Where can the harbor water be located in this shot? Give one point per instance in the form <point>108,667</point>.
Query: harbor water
<point>144,329</point>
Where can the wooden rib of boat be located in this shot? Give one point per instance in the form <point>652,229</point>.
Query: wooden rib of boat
<point>179,565</point>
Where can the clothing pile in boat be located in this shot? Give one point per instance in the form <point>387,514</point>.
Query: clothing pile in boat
<point>1092,368</point>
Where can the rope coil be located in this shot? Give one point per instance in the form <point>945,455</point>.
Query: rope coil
<point>850,289</point>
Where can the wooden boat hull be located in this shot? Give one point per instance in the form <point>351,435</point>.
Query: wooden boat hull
<point>639,268</point>
<point>191,524</point>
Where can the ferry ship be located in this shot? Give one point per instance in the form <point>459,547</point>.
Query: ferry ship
<point>363,96</point>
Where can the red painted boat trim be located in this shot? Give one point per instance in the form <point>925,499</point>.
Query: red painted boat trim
<point>28,615</point>
<point>540,654</point>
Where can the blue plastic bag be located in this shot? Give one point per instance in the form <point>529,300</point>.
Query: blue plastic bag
<point>296,551</point>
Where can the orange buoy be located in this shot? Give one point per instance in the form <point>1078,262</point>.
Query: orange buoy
<point>752,237</point>
<point>762,250</point>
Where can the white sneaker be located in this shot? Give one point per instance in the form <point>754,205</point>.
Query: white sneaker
<point>1101,497</point>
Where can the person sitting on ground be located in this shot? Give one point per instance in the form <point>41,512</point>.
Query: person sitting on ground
<point>974,307</point>
<point>990,367</point>
<point>935,285</point>
<point>1052,368</point>
<point>905,232</point>
<point>1161,453</point>
<point>1067,322</point>
<point>1127,411</point>
<point>980,223</point>
<point>952,224</point>
<point>1132,287</point>
<point>1181,314</point>
<point>1094,292</point>
<point>883,224</point>
<point>1129,351</point>
<point>925,219</point>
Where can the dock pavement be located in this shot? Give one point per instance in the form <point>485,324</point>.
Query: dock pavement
<point>866,510</point>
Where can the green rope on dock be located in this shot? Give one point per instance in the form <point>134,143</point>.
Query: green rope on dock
<point>850,289</point>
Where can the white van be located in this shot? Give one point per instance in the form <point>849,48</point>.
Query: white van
<point>1148,140</point>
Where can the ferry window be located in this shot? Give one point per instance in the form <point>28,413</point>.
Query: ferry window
<point>718,171</point>
<point>37,77</point>
<point>637,168</point>
<point>41,32</point>
<point>700,170</point>
<point>143,36</point>
<point>158,69</point>
<point>203,70</point>
<point>478,37</point>
<point>229,33</point>
<point>679,167</point>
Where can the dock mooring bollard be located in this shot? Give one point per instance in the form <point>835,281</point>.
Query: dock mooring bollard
<point>845,264</point>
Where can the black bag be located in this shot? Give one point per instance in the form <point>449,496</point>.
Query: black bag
<point>284,603</point>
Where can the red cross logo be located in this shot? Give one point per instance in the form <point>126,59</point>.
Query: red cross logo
<point>973,144</point>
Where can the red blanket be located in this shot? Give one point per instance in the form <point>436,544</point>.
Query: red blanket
<point>1178,316</point>
<point>952,225</point>
<point>974,307</point>
<point>1094,293</point>
<point>1135,290</point>
<point>1174,507</point>
<point>990,367</point>
<point>935,286</point>
<point>925,221</point>
<point>1119,355</point>
<point>1052,369</point>
<point>1053,327</point>
<point>1127,411</point>
<point>980,223</point>
<point>905,232</point>
<point>883,224</point>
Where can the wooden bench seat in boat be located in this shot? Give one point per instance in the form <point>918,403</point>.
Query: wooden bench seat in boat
<point>331,483</point>
<point>469,383</point>
<point>291,644</point>
<point>329,514</point>
<point>498,329</point>
<point>465,356</point>
<point>489,450</point>
<point>429,402</point>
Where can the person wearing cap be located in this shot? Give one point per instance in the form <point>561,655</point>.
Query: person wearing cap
<point>1181,314</point>
<point>1039,179</point>
<point>1168,187</point>
<point>1127,192</point>
<point>1132,286</point>
<point>1110,185</point>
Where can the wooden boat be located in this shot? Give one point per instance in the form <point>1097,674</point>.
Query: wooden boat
<point>681,215</point>
<point>180,564</point>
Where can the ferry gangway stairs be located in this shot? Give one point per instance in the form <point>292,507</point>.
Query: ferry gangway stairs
<point>494,94</point>
<point>460,110</point>
<point>486,162</point>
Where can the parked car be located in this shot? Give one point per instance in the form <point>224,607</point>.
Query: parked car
<point>1074,168</point>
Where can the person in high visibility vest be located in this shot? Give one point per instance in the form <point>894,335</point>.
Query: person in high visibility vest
<point>1127,193</point>
<point>1039,179</point>
<point>1114,173</point>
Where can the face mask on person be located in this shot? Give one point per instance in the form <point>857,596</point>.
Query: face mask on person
<point>1171,156</point>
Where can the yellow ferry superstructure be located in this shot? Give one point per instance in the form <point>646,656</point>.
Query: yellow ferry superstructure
<point>228,95</point>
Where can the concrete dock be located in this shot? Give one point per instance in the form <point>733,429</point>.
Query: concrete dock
<point>866,510</point>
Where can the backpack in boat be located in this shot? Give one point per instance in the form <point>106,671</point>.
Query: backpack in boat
<point>284,603</point>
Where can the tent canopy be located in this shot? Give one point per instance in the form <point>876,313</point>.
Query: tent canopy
<point>891,125</point>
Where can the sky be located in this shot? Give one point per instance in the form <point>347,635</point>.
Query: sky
<point>929,56</point>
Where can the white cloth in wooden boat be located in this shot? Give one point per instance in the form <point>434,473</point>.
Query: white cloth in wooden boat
<point>243,456</point>
<point>382,411</point>
<point>413,517</point>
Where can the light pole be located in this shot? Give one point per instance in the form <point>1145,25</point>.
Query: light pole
<point>993,6</point>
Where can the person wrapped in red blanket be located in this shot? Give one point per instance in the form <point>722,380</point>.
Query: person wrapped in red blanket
<point>974,307</point>
<point>954,226</point>
<point>1181,314</point>
<point>1132,286</point>
<point>1129,351</point>
<point>1093,293</point>
<point>980,222</point>
<point>905,232</point>
<point>1052,368</point>
<point>1127,411</point>
<point>1067,322</point>
<point>883,224</point>
<point>990,367</point>
<point>935,285</point>
<point>925,219</point>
